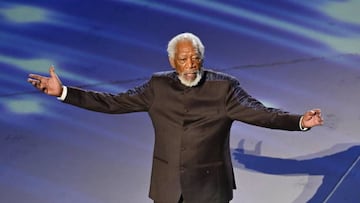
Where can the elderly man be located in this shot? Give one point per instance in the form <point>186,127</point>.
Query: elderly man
<point>192,110</point>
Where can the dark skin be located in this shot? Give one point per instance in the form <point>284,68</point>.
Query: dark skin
<point>186,61</point>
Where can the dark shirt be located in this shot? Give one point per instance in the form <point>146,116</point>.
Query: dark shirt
<point>192,128</point>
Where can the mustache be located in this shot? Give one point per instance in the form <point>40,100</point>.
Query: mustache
<point>191,72</point>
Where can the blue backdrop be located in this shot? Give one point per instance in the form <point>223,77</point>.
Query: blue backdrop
<point>293,55</point>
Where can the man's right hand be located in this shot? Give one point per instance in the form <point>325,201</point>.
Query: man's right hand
<point>49,85</point>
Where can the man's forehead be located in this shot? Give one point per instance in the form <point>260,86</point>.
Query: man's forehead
<point>184,47</point>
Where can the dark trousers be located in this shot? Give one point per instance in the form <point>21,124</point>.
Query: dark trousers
<point>181,200</point>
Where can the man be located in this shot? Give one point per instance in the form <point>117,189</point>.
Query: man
<point>192,110</point>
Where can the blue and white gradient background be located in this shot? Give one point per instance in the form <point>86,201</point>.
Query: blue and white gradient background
<point>293,55</point>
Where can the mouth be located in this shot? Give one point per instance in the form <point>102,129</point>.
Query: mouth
<point>189,73</point>
<point>190,76</point>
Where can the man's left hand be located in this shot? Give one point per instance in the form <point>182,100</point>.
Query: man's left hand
<point>312,118</point>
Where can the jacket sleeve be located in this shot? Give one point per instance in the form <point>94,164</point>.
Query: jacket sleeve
<point>134,100</point>
<point>242,107</point>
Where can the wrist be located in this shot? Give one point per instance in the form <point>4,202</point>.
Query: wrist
<point>63,94</point>
<point>302,125</point>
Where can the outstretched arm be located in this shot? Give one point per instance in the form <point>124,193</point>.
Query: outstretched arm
<point>49,85</point>
<point>312,118</point>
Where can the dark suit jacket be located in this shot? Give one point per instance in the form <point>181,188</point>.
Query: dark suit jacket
<point>192,127</point>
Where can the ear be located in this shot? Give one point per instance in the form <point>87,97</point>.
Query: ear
<point>172,62</point>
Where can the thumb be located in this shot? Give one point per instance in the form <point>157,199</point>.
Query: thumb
<point>52,72</point>
<point>312,112</point>
<point>53,75</point>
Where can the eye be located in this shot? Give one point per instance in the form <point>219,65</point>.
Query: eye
<point>196,59</point>
<point>182,60</point>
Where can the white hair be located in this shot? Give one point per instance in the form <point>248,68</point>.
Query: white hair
<point>171,49</point>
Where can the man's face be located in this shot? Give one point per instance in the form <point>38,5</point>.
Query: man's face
<point>187,61</point>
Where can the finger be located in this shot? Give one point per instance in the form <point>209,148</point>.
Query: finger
<point>314,112</point>
<point>320,122</point>
<point>320,119</point>
<point>310,114</point>
<point>35,83</point>
<point>52,72</point>
<point>32,81</point>
<point>35,76</point>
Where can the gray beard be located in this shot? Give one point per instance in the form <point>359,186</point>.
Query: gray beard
<point>191,83</point>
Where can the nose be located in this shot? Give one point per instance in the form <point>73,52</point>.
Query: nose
<point>190,64</point>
